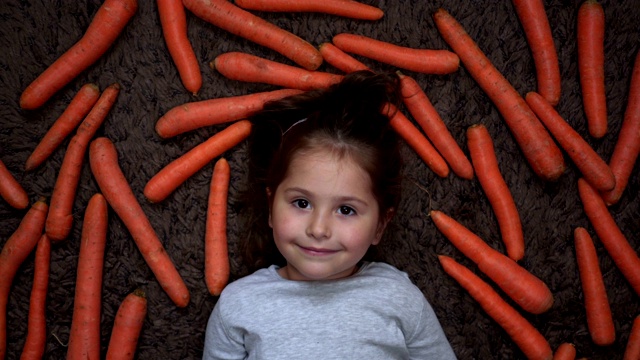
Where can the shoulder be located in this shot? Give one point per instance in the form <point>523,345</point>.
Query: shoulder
<point>382,269</point>
<point>407,303</point>
<point>386,273</point>
<point>248,287</point>
<point>393,285</point>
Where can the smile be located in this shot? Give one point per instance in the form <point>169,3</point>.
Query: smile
<point>316,251</point>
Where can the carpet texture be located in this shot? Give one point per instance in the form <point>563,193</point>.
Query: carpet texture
<point>34,33</point>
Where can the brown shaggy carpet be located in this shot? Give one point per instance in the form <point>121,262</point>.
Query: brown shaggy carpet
<point>34,33</point>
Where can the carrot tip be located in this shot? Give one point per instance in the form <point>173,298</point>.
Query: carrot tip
<point>140,293</point>
<point>150,200</point>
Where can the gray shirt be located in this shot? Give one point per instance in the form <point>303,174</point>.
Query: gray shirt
<point>377,313</point>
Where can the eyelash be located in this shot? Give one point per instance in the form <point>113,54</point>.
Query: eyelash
<point>350,210</point>
<point>303,204</point>
<point>297,203</point>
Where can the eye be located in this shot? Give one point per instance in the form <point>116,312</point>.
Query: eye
<point>346,210</point>
<point>301,203</point>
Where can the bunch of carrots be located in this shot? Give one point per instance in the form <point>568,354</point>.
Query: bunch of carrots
<point>542,134</point>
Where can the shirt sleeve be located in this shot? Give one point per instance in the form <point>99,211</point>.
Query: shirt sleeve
<point>428,341</point>
<point>220,342</point>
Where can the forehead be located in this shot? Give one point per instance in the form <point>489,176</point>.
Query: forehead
<point>324,166</point>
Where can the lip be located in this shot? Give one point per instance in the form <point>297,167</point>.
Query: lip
<point>312,251</point>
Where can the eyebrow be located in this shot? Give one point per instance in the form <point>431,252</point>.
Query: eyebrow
<point>340,198</point>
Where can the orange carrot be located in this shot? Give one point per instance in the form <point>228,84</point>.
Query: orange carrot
<point>84,336</point>
<point>526,337</point>
<point>106,26</point>
<point>594,169</point>
<point>596,303</point>
<point>538,147</point>
<point>340,59</point>
<point>627,147</point>
<point>535,24</point>
<point>11,190</point>
<point>19,245</point>
<point>566,351</point>
<point>349,9</point>
<point>590,34</point>
<point>216,259</point>
<point>523,287</point>
<point>419,143</point>
<point>427,116</point>
<point>250,68</point>
<point>103,159</point>
<point>127,326</point>
<point>194,115</point>
<point>36,340</point>
<point>178,171</point>
<point>614,241</point>
<point>504,207</point>
<point>173,20</point>
<point>427,61</point>
<point>60,218</point>
<point>632,350</point>
<point>237,21</point>
<point>77,109</point>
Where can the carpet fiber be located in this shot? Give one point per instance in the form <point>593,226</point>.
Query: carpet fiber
<point>34,33</point>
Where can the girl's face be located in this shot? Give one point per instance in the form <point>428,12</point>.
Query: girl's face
<point>324,216</point>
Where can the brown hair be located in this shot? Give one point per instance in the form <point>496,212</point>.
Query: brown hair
<point>349,118</point>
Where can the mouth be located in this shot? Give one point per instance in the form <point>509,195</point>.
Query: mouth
<point>312,251</point>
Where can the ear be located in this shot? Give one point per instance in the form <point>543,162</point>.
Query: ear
<point>382,225</point>
<point>269,199</point>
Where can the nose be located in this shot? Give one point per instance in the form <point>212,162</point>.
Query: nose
<point>319,226</point>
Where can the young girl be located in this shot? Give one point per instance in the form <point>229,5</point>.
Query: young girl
<point>326,171</point>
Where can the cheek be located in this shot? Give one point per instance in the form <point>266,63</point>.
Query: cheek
<point>359,237</point>
<point>283,225</point>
